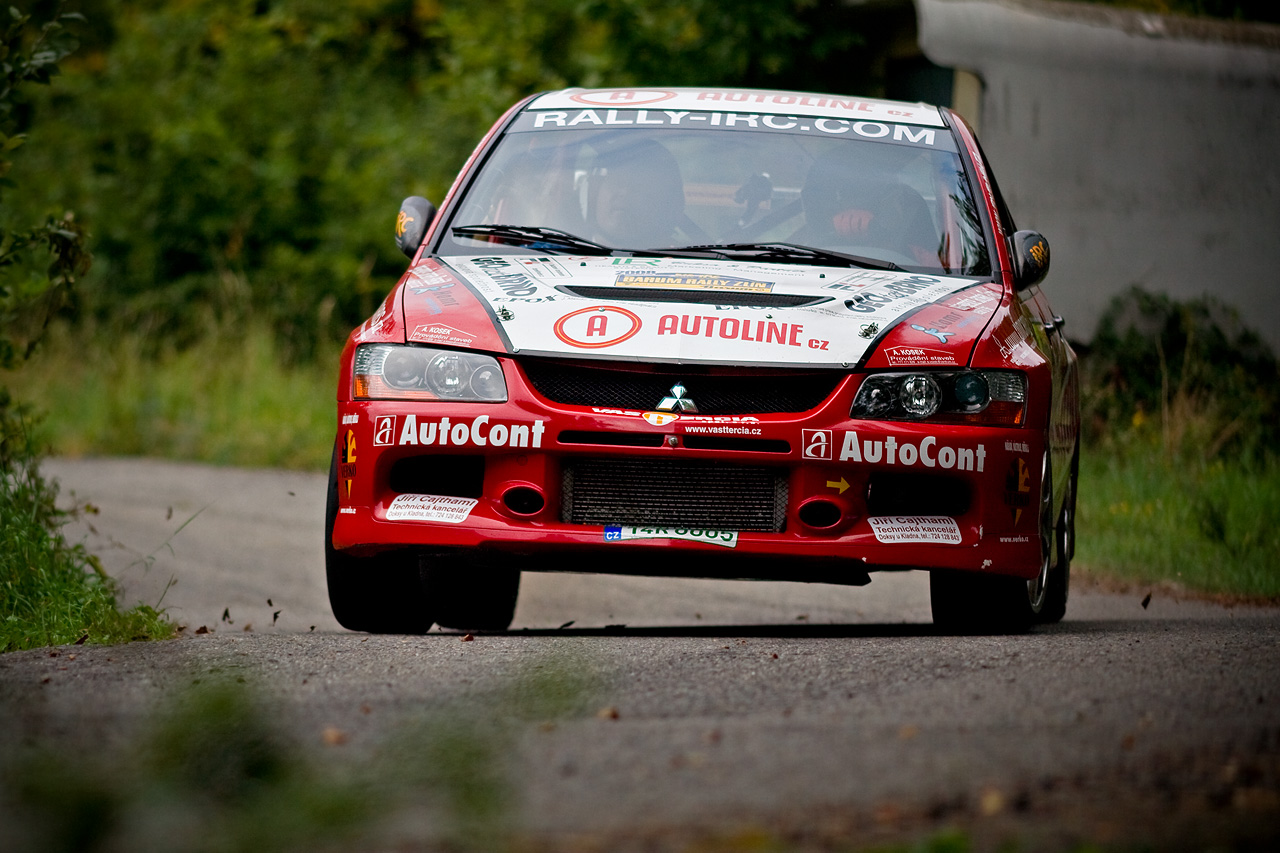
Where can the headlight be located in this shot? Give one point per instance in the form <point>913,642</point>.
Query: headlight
<point>996,397</point>
<point>393,372</point>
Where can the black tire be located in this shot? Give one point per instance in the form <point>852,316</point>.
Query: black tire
<point>1055,604</point>
<point>381,594</point>
<point>972,603</point>
<point>469,597</point>
<point>975,603</point>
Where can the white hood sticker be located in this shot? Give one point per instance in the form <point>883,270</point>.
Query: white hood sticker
<point>596,306</point>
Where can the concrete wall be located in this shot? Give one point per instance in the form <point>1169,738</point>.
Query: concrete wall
<point>1145,147</point>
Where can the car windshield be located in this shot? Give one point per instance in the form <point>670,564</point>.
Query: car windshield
<point>636,181</point>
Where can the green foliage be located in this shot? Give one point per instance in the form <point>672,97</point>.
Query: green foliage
<point>51,592</point>
<point>248,158</point>
<point>1180,480</point>
<point>1187,376</point>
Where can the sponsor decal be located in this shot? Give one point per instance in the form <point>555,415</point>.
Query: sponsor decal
<point>941,336</point>
<point>841,485</point>
<point>350,419</point>
<point>733,328</point>
<point>347,460</point>
<point>598,327</point>
<point>870,297</point>
<point>624,533</point>
<point>815,444</point>
<point>510,280</point>
<point>917,355</point>
<point>1017,488</point>
<point>868,330</point>
<point>927,453</point>
<point>384,431</point>
<point>677,281</point>
<point>894,529</point>
<point>720,430</point>
<point>660,418</point>
<point>684,419</point>
<point>883,131</point>
<point>543,267</point>
<point>438,333</point>
<point>347,510</point>
<point>729,99</point>
<point>978,301</point>
<point>1017,446</point>
<point>438,508</point>
<point>410,431</point>
<point>622,97</point>
<point>402,222</point>
<point>1014,539</point>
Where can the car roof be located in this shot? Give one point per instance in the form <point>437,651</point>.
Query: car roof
<point>741,101</point>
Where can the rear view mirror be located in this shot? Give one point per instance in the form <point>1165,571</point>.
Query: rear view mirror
<point>415,215</point>
<point>1030,258</point>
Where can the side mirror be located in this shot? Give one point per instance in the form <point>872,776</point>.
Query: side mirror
<point>415,215</point>
<point>1030,258</point>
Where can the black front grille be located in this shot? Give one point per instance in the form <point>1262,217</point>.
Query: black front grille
<point>722,394</point>
<point>670,492</point>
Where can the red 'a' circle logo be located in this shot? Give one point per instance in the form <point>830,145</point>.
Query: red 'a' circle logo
<point>596,328</point>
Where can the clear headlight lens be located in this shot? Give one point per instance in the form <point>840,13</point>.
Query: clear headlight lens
<point>997,397</point>
<point>396,372</point>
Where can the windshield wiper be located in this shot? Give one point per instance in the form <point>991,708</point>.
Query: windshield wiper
<point>794,252</point>
<point>535,237</point>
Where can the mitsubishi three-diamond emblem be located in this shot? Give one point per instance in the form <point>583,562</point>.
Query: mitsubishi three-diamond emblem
<point>677,402</point>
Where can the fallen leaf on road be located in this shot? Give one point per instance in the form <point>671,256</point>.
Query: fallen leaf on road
<point>202,630</point>
<point>907,732</point>
<point>567,624</point>
<point>275,616</point>
<point>248,626</point>
<point>608,712</point>
<point>991,802</point>
<point>466,638</point>
<point>81,641</point>
<point>334,736</point>
<point>226,615</point>
<point>1146,601</point>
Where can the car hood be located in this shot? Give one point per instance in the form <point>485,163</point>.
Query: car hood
<point>692,310</point>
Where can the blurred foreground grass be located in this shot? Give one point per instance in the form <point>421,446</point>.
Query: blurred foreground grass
<point>218,768</point>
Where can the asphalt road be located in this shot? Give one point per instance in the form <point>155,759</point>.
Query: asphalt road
<point>823,716</point>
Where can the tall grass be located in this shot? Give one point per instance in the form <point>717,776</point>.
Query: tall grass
<point>51,592</point>
<point>232,398</point>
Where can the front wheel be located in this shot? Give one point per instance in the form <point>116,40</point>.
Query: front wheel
<point>970,602</point>
<point>381,594</point>
<point>470,597</point>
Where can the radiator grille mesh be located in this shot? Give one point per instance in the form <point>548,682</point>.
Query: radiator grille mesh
<point>689,493</point>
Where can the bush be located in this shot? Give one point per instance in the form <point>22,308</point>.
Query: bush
<point>1187,375</point>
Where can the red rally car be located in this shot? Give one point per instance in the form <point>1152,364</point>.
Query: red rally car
<point>708,333</point>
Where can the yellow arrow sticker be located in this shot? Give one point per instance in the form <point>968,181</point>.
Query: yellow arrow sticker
<point>842,484</point>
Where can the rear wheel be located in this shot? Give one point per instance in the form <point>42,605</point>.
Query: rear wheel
<point>381,594</point>
<point>470,597</point>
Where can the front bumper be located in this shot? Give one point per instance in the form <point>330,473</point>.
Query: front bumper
<point>816,496</point>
